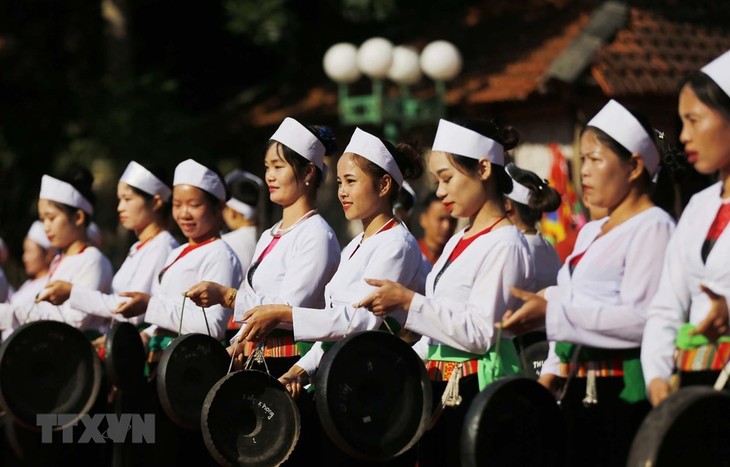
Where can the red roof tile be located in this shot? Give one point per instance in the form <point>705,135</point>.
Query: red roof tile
<point>653,54</point>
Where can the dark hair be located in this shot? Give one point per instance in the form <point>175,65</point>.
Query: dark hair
<point>543,198</point>
<point>298,162</point>
<point>407,158</point>
<point>163,174</point>
<point>245,190</point>
<point>507,136</point>
<point>81,179</point>
<point>708,92</point>
<point>426,203</point>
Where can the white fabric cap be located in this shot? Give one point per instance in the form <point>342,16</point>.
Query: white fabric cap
<point>246,210</point>
<point>719,71</point>
<point>296,137</point>
<point>456,139</point>
<point>59,191</point>
<point>238,174</point>
<point>520,193</point>
<point>371,148</point>
<point>621,125</point>
<point>137,176</point>
<point>37,235</point>
<point>193,173</point>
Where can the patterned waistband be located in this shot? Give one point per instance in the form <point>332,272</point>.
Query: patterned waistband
<point>276,346</point>
<point>439,370</point>
<point>603,368</point>
<point>707,357</point>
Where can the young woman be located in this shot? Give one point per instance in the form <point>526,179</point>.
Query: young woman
<point>295,258</point>
<point>37,257</point>
<point>198,197</point>
<point>690,306</point>
<point>65,207</point>
<point>369,174</point>
<point>468,289</point>
<point>529,199</point>
<point>240,214</point>
<point>597,311</point>
<point>143,208</point>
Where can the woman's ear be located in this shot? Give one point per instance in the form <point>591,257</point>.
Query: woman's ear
<point>384,185</point>
<point>157,203</point>
<point>309,174</point>
<point>79,218</point>
<point>484,169</point>
<point>636,166</point>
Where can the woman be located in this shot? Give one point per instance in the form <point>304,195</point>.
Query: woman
<point>529,199</point>
<point>240,214</point>
<point>65,207</point>
<point>143,208</point>
<point>198,197</point>
<point>597,311</point>
<point>369,174</point>
<point>690,306</point>
<point>297,256</point>
<point>468,289</point>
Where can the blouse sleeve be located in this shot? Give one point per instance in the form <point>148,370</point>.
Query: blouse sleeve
<point>470,326</point>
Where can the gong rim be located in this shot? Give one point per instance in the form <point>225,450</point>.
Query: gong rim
<point>513,421</point>
<point>689,424</point>
<point>124,355</point>
<point>188,368</point>
<point>248,418</point>
<point>42,355</point>
<point>373,395</point>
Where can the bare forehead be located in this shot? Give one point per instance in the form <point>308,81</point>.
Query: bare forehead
<point>274,153</point>
<point>438,162</point>
<point>346,165</point>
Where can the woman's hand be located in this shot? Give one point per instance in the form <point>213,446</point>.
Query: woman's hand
<point>715,323</point>
<point>206,294</point>
<point>56,292</point>
<point>134,307</point>
<point>238,346</point>
<point>294,379</point>
<point>261,320</point>
<point>552,383</point>
<point>530,316</point>
<point>389,297</point>
<point>658,390</point>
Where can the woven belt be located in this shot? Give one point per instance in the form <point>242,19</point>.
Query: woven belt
<point>603,368</point>
<point>439,370</point>
<point>707,357</point>
<point>275,346</point>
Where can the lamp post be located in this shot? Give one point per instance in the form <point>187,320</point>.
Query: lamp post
<point>378,59</point>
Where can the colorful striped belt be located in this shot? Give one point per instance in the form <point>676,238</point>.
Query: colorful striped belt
<point>276,345</point>
<point>707,357</point>
<point>439,370</point>
<point>603,368</point>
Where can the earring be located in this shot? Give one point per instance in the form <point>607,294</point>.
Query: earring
<point>306,183</point>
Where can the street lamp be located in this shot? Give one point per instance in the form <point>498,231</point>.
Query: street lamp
<point>378,59</point>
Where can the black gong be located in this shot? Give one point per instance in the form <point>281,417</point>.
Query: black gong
<point>515,421</point>
<point>48,367</point>
<point>249,419</point>
<point>689,428</point>
<point>373,395</point>
<point>124,355</point>
<point>188,368</point>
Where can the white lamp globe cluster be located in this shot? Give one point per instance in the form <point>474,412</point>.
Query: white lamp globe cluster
<point>377,58</point>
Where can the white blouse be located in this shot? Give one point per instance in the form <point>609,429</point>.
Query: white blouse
<point>604,302</point>
<point>392,254</point>
<point>214,262</point>
<point>137,274</point>
<point>679,299</point>
<point>295,271</point>
<point>472,293</point>
<point>243,242</point>
<point>91,269</point>
<point>546,259</point>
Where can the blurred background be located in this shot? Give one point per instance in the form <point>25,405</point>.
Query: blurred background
<point>103,82</point>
